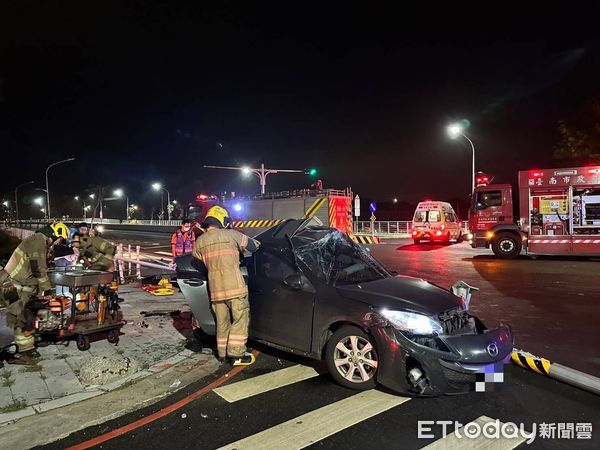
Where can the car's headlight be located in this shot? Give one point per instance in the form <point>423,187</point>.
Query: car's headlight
<point>412,322</point>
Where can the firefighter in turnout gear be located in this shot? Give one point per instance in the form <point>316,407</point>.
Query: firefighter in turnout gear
<point>97,253</point>
<point>219,249</point>
<point>25,278</point>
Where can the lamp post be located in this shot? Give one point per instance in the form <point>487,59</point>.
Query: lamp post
<point>454,131</point>
<point>40,201</point>
<point>119,193</point>
<point>159,187</point>
<point>263,172</point>
<point>17,200</point>
<point>47,190</point>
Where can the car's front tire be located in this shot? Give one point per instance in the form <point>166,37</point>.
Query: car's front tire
<point>352,359</point>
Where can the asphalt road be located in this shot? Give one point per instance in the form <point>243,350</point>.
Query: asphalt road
<point>317,413</point>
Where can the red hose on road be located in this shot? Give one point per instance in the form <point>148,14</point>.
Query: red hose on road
<point>159,414</point>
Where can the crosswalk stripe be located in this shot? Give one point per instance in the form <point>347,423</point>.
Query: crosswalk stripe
<point>455,441</point>
<point>320,423</point>
<point>264,383</point>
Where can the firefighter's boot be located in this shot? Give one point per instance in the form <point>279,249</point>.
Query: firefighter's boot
<point>24,340</point>
<point>245,360</point>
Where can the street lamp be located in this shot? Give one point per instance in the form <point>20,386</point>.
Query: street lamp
<point>17,200</point>
<point>119,193</point>
<point>454,131</point>
<point>262,173</point>
<point>47,190</point>
<point>45,210</point>
<point>40,202</point>
<point>159,187</point>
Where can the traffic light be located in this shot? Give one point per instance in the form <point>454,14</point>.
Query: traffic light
<point>311,172</point>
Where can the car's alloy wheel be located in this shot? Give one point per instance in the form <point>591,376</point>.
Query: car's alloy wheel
<point>352,358</point>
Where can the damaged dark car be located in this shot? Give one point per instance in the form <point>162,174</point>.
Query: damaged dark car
<point>316,293</point>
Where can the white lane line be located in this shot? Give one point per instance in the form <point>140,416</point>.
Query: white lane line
<point>320,423</point>
<point>264,383</point>
<point>458,439</point>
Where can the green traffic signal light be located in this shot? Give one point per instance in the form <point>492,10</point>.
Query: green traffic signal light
<point>312,172</point>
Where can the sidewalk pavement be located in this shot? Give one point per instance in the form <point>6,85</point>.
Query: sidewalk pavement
<point>149,347</point>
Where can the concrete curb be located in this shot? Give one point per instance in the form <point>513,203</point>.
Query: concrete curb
<point>95,390</point>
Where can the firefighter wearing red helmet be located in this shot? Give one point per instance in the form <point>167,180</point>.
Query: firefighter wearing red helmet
<point>219,248</point>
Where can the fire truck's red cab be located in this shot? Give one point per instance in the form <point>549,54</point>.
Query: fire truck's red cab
<point>559,213</point>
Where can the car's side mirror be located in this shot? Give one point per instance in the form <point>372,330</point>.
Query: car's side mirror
<point>294,281</point>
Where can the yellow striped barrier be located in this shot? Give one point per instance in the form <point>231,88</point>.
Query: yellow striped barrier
<point>556,371</point>
<point>310,212</point>
<point>365,239</point>
<point>256,223</point>
<point>529,361</point>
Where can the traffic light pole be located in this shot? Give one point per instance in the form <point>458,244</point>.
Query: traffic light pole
<point>260,173</point>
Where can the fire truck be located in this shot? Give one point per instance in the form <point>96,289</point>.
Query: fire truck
<point>559,212</point>
<point>253,215</point>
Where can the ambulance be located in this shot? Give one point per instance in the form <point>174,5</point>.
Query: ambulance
<point>435,221</point>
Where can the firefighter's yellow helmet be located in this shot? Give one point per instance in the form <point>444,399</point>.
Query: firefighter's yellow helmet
<point>220,214</point>
<point>60,230</point>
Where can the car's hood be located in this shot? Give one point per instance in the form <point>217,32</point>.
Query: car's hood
<point>402,292</point>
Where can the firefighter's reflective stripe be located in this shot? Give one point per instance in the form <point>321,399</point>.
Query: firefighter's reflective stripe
<point>22,258</point>
<point>228,294</point>
<point>223,252</point>
<point>310,212</point>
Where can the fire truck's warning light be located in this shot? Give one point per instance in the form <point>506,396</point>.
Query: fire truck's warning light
<point>489,234</point>
<point>536,173</point>
<point>438,233</point>
<point>237,207</point>
<point>594,171</point>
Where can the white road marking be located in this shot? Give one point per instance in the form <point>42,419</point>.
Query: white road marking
<point>481,442</point>
<point>264,383</point>
<point>320,423</point>
<point>163,253</point>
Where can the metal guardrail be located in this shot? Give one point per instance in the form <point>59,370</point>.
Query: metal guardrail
<point>154,222</point>
<point>399,228</point>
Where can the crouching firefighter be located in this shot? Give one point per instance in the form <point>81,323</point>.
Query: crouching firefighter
<point>26,280</point>
<point>219,248</point>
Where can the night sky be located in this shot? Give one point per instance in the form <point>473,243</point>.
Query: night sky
<point>144,91</point>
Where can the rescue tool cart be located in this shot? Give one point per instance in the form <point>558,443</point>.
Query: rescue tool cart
<point>93,309</point>
<point>559,213</point>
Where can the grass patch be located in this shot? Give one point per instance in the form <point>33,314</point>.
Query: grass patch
<point>119,351</point>
<point>17,405</point>
<point>62,357</point>
<point>6,380</point>
<point>42,376</point>
<point>35,368</point>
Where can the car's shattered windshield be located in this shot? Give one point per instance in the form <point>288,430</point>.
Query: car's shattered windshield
<point>337,260</point>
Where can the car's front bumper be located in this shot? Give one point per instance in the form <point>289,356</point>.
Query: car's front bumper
<point>446,372</point>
